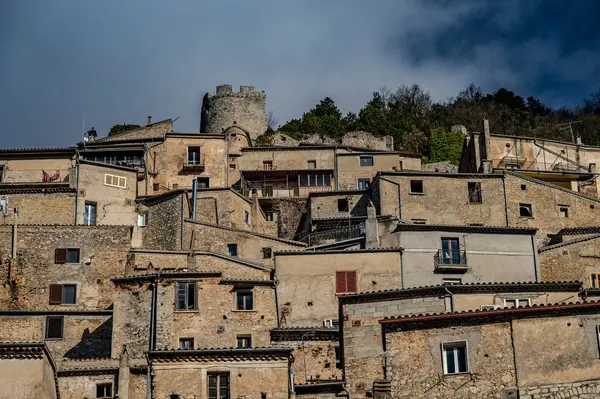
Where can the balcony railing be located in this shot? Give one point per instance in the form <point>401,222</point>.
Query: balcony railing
<point>538,166</point>
<point>193,166</point>
<point>450,260</point>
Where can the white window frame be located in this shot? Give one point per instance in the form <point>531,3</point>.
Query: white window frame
<point>87,207</point>
<point>142,220</point>
<point>247,217</point>
<point>109,180</point>
<point>454,344</point>
<point>517,301</point>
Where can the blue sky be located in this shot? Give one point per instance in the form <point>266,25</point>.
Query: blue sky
<point>108,62</point>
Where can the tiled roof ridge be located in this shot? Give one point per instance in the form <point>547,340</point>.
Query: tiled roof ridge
<point>291,242</point>
<point>136,130</point>
<point>462,286</point>
<point>502,311</point>
<point>568,242</point>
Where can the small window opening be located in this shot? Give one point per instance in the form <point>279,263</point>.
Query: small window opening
<point>525,210</point>
<point>416,186</point>
<point>342,204</point>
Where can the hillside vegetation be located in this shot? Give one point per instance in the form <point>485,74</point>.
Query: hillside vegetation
<point>420,125</point>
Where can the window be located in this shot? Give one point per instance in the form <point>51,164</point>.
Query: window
<point>218,386</point>
<point>267,252</point>
<point>516,303</point>
<point>311,164</point>
<point>342,205</point>
<point>267,191</point>
<point>243,341</point>
<point>186,296</point>
<point>338,357</point>
<point>450,251</point>
<point>193,155</point>
<point>246,217</point>
<point>363,184</point>
<point>267,165</point>
<point>594,280</point>
<point>89,214</point>
<point>451,281</point>
<point>66,255</point>
<point>475,193</point>
<point>455,357</point>
<point>231,166</point>
<point>366,161</point>
<point>269,216</point>
<point>401,165</point>
<point>311,180</point>
<point>4,205</point>
<point>345,282</point>
<point>244,300</point>
<point>186,343</point>
<point>563,211</point>
<point>115,181</point>
<point>525,210</point>
<point>523,187</point>
<point>155,187</point>
<point>232,250</point>
<point>416,186</point>
<point>104,390</point>
<point>143,220</point>
<point>63,294</point>
<point>203,182</point>
<point>54,327</point>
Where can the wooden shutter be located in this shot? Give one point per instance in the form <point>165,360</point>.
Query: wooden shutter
<point>55,294</point>
<point>340,282</point>
<point>60,255</point>
<point>351,282</point>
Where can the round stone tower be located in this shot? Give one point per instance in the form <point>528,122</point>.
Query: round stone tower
<point>245,109</point>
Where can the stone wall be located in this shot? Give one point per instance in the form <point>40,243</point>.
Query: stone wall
<point>83,386</point>
<point>324,206</point>
<point>164,222</point>
<point>216,323</point>
<point>84,337</point>
<point>153,130</point>
<point>313,361</point>
<point>39,208</point>
<point>368,140</point>
<point>114,205</point>
<point>103,253</point>
<point>248,378</point>
<point>571,261</point>
<point>576,390</point>
<point>415,362</point>
<point>205,237</point>
<point>245,108</point>
<point>307,287</point>
<point>132,306</point>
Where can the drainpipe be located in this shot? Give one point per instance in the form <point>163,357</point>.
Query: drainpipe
<point>275,281</point>
<point>194,195</point>
<point>77,187</point>
<point>399,196</point>
<point>402,267</point>
<point>152,340</point>
<point>505,201</point>
<point>227,159</point>
<point>346,389</point>
<point>146,168</point>
<point>181,232</point>
<point>451,299</point>
<point>12,265</point>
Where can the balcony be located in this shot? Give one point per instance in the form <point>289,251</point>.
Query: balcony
<point>193,167</point>
<point>450,261</point>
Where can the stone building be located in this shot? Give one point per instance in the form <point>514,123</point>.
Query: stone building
<point>309,268</point>
<point>571,165</point>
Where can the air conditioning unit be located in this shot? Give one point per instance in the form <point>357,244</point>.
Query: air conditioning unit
<point>331,323</point>
<point>286,309</point>
<point>490,307</point>
<point>220,329</point>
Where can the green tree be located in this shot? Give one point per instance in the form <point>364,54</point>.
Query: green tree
<point>444,146</point>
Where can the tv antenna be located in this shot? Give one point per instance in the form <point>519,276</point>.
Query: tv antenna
<point>568,127</point>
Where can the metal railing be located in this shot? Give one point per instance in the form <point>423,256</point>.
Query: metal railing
<point>450,259</point>
<point>333,235</point>
<point>524,164</point>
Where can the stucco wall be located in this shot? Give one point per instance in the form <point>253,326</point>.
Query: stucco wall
<point>25,379</point>
<point>307,281</point>
<point>29,168</point>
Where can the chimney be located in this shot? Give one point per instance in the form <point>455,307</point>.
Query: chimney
<point>149,120</point>
<point>255,208</point>
<point>485,157</point>
<point>124,374</point>
<point>371,227</point>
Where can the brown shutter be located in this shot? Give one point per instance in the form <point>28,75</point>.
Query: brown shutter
<point>60,256</point>
<point>340,282</point>
<point>55,294</point>
<point>351,282</point>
